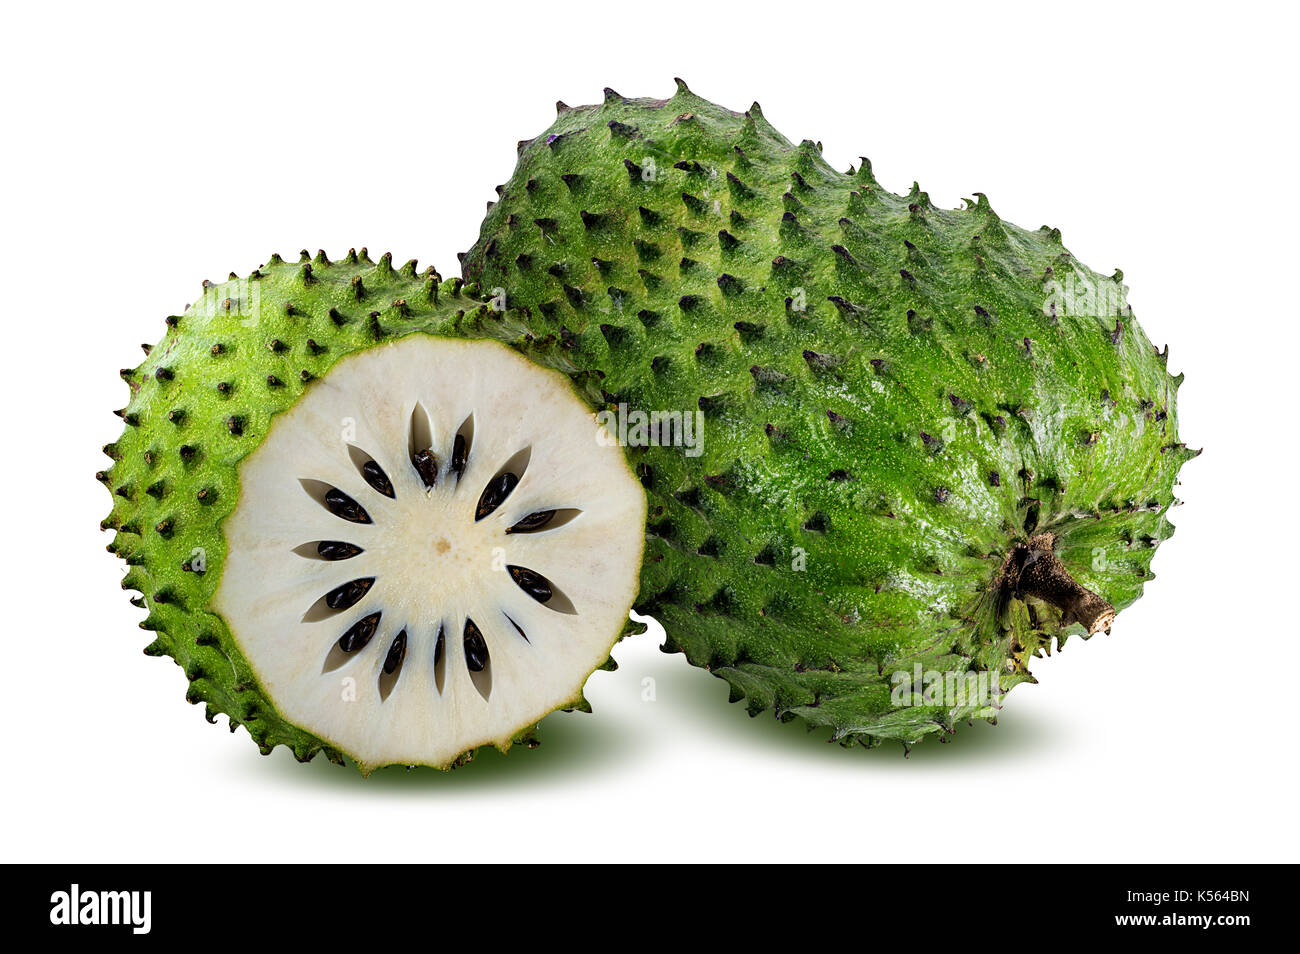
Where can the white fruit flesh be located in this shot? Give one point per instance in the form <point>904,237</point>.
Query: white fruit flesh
<point>434,565</point>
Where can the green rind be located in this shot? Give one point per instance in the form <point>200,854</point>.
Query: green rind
<point>863,430</point>
<point>204,398</point>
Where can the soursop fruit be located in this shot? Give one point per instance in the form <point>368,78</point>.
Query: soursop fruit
<point>360,524</point>
<point>934,443</point>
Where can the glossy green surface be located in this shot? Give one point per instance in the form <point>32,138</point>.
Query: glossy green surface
<point>894,395</point>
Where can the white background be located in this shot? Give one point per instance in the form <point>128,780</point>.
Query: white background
<point>146,149</point>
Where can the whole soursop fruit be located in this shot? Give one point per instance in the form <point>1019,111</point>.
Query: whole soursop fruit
<point>933,441</point>
<point>363,527</point>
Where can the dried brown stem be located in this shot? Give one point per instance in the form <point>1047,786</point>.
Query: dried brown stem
<point>1034,570</point>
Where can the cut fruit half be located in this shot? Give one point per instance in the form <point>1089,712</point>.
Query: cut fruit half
<point>433,548</point>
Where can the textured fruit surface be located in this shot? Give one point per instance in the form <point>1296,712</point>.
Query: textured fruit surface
<point>316,476</point>
<point>927,431</point>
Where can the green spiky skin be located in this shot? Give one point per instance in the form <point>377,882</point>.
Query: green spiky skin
<point>202,401</point>
<point>871,460</point>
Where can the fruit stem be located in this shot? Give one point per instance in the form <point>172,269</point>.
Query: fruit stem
<point>1034,570</point>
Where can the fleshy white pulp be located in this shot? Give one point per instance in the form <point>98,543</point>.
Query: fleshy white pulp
<point>434,564</point>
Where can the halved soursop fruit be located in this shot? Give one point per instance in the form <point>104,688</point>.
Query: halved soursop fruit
<point>363,526</point>
<point>934,443</point>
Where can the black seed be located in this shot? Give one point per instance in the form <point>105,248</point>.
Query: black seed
<point>349,594</point>
<point>359,633</point>
<point>376,478</point>
<point>494,495</point>
<point>534,521</point>
<point>341,505</point>
<point>337,550</point>
<point>426,465</point>
<point>476,651</point>
<point>532,583</point>
<point>396,653</point>
<point>458,455</point>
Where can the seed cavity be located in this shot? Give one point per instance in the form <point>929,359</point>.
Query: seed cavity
<point>461,447</point>
<point>459,454</point>
<point>542,590</point>
<point>359,633</point>
<point>476,660</point>
<point>419,446</point>
<point>440,658</point>
<point>349,594</point>
<point>396,653</point>
<point>376,478</point>
<point>533,522</point>
<point>532,583</point>
<point>476,650</point>
<point>337,550</point>
<point>540,520</point>
<point>392,666</point>
<point>370,471</point>
<point>341,505</point>
<point>505,481</point>
<point>519,629</point>
<point>495,494</point>
<point>426,465</point>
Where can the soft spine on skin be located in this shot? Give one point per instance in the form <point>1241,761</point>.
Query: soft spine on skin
<point>894,407</point>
